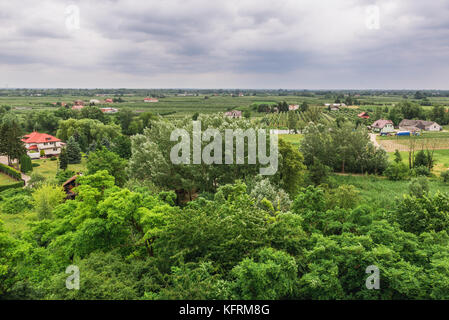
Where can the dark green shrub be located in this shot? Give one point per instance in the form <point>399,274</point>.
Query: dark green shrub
<point>25,163</point>
<point>445,176</point>
<point>397,171</point>
<point>421,171</point>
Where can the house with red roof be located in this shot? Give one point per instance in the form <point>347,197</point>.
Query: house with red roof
<point>109,110</point>
<point>109,100</point>
<point>363,115</point>
<point>150,100</point>
<point>35,142</point>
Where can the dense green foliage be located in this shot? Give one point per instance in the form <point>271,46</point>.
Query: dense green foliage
<point>303,233</point>
<point>343,149</point>
<point>139,245</point>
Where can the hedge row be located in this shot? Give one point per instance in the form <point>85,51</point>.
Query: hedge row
<point>10,171</point>
<point>19,184</point>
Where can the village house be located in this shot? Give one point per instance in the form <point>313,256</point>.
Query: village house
<point>35,142</point>
<point>334,108</point>
<point>109,100</point>
<point>150,100</point>
<point>94,101</point>
<point>78,103</point>
<point>233,114</point>
<point>77,107</point>
<point>363,115</point>
<point>383,126</point>
<point>420,125</point>
<point>69,185</point>
<point>109,110</point>
<point>293,107</point>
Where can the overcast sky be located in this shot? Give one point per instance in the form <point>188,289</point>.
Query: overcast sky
<point>291,44</point>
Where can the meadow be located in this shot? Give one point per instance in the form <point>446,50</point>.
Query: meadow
<point>48,168</point>
<point>379,192</point>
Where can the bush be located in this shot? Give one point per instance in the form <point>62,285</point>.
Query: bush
<point>53,158</point>
<point>10,171</point>
<point>35,164</point>
<point>19,184</point>
<point>36,180</point>
<point>397,171</point>
<point>421,171</point>
<point>46,198</point>
<point>419,187</point>
<point>16,204</point>
<point>445,176</point>
<point>25,163</point>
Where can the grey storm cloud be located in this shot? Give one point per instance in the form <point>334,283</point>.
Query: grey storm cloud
<point>245,43</point>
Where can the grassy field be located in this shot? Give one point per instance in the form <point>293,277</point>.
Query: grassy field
<point>441,160</point>
<point>294,139</point>
<point>382,193</point>
<point>6,180</point>
<point>48,168</point>
<point>172,105</point>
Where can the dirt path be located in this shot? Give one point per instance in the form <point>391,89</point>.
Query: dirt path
<point>25,178</point>
<point>372,136</point>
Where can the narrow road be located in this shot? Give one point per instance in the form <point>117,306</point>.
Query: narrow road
<point>25,178</point>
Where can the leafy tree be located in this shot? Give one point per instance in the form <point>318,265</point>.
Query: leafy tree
<point>291,170</point>
<point>264,191</point>
<point>122,146</point>
<point>420,159</point>
<point>345,197</point>
<point>318,173</point>
<point>271,275</point>
<point>342,148</point>
<point>86,131</point>
<point>423,214</point>
<point>410,110</point>
<point>11,144</point>
<point>107,160</point>
<point>46,198</point>
<point>304,106</point>
<point>125,118</point>
<point>92,112</point>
